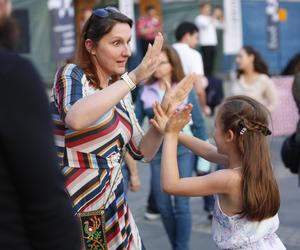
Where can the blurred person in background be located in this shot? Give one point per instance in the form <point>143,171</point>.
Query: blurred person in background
<point>96,124</point>
<point>36,212</point>
<point>186,35</point>
<point>253,78</point>
<point>148,27</point>
<point>208,41</point>
<point>175,211</point>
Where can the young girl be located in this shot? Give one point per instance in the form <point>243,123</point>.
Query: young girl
<point>247,196</point>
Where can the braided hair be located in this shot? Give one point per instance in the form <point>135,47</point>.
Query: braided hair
<point>248,119</point>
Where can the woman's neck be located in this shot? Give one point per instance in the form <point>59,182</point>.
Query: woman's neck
<point>250,76</point>
<point>103,77</point>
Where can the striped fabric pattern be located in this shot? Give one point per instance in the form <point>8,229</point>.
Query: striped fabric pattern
<point>91,158</point>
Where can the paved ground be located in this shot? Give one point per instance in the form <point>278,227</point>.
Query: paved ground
<point>155,238</point>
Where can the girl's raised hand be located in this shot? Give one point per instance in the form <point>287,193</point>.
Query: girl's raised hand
<point>160,118</point>
<point>178,120</point>
<point>150,61</point>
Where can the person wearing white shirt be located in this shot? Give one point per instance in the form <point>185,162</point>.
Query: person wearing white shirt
<point>187,38</point>
<point>208,41</point>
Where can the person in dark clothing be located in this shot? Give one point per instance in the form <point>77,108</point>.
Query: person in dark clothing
<point>35,211</point>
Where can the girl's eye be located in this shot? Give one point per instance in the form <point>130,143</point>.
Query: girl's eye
<point>116,43</point>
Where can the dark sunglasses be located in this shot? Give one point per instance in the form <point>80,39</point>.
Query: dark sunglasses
<point>105,12</point>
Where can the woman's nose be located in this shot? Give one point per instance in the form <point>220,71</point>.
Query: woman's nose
<point>127,50</point>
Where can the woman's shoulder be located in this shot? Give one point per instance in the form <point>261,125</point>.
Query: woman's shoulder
<point>70,69</point>
<point>264,77</point>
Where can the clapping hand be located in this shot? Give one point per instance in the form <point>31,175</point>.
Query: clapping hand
<point>175,96</point>
<point>160,117</point>
<point>178,120</point>
<point>173,124</point>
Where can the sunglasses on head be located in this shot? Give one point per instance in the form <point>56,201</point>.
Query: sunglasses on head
<point>105,12</point>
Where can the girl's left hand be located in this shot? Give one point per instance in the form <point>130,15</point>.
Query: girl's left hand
<point>160,118</point>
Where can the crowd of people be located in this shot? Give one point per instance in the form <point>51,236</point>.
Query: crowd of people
<point>80,200</point>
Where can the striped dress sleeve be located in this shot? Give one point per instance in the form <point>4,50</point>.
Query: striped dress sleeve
<point>68,88</point>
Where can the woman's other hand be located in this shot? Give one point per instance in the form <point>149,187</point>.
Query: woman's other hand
<point>178,120</point>
<point>175,96</point>
<point>134,183</point>
<point>150,61</point>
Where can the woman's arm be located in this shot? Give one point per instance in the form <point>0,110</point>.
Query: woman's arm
<point>134,178</point>
<point>203,149</point>
<point>218,182</point>
<point>88,110</point>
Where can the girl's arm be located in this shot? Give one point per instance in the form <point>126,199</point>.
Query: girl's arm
<point>203,149</point>
<point>219,182</point>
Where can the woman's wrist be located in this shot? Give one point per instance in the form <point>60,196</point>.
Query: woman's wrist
<point>128,81</point>
<point>133,77</point>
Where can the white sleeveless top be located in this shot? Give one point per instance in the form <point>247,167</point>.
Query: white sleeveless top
<point>234,232</point>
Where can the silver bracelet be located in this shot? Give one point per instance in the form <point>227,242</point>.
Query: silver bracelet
<point>128,81</point>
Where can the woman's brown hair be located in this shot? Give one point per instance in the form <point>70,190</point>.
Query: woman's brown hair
<point>259,187</point>
<point>95,28</point>
<point>174,59</point>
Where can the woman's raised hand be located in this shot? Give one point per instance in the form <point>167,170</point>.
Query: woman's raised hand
<point>175,96</point>
<point>150,61</point>
<point>178,120</point>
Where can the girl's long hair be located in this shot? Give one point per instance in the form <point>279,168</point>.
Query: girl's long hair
<point>177,69</point>
<point>259,64</point>
<point>260,193</point>
<point>95,28</point>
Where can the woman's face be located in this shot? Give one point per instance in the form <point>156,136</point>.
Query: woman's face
<point>244,60</point>
<point>164,69</point>
<point>113,50</point>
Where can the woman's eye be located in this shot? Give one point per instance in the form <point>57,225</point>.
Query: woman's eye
<point>116,43</point>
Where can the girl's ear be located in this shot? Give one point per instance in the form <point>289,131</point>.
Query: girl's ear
<point>229,137</point>
<point>89,45</point>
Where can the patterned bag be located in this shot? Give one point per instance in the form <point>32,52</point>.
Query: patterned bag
<point>93,229</point>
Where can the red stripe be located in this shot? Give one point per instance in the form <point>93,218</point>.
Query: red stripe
<point>113,233</point>
<point>81,161</point>
<point>93,136</point>
<point>73,176</point>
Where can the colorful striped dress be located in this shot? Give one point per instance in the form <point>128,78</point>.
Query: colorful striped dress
<point>90,158</point>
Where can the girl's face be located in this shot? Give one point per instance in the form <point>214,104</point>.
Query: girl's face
<point>164,70</point>
<point>113,50</point>
<point>244,60</point>
<point>219,135</point>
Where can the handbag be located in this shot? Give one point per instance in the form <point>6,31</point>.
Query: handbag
<point>93,225</point>
<point>290,154</point>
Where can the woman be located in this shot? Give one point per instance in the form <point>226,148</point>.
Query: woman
<point>253,78</point>
<point>176,216</point>
<point>95,125</point>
